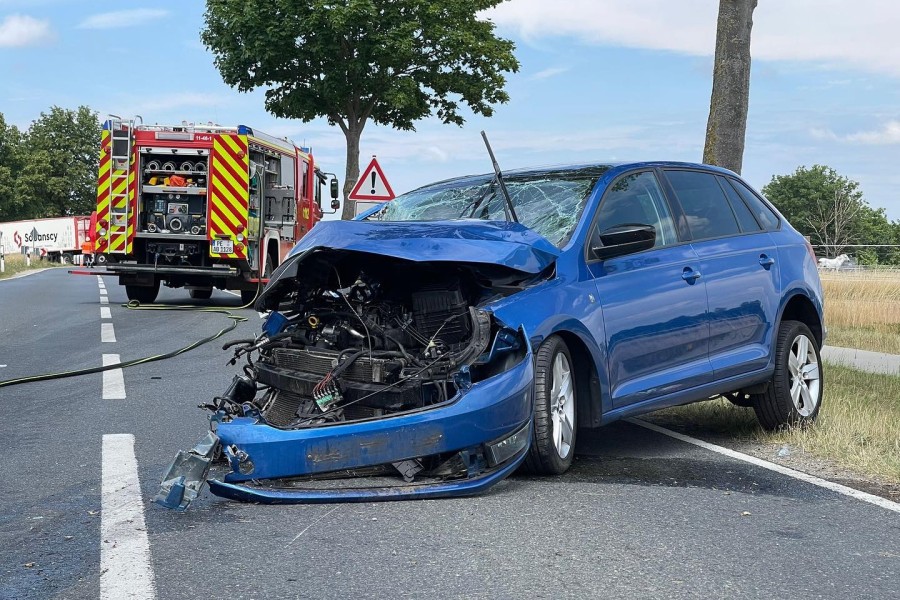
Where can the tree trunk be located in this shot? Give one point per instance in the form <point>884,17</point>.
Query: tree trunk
<point>727,124</point>
<point>352,134</point>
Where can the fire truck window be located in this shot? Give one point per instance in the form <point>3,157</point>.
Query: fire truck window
<point>287,171</point>
<point>303,191</point>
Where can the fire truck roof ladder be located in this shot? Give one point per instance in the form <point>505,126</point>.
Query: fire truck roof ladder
<point>119,180</point>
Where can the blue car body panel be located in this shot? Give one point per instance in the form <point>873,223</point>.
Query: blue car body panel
<point>473,241</point>
<point>652,334</point>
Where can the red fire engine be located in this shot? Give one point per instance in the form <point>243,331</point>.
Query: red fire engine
<point>201,206</point>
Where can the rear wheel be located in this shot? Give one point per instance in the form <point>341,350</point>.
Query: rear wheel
<point>199,294</point>
<point>145,294</point>
<point>794,394</point>
<point>553,435</point>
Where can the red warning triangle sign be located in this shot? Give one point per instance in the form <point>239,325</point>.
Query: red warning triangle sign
<point>372,185</point>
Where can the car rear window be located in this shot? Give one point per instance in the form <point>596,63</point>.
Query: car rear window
<point>766,217</point>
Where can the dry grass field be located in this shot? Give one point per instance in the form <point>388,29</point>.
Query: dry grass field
<point>15,263</point>
<point>862,309</point>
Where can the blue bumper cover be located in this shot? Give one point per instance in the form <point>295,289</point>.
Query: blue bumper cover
<point>488,411</point>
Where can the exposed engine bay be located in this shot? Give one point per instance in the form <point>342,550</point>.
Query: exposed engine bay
<point>359,336</point>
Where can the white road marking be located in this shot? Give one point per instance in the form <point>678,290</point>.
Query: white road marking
<point>104,313</point>
<point>103,292</point>
<point>823,483</point>
<point>107,332</point>
<point>113,380</point>
<point>125,567</point>
<point>104,300</point>
<point>232,293</point>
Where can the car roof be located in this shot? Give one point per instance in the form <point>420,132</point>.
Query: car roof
<point>594,168</point>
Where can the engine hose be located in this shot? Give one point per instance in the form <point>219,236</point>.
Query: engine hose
<point>135,305</point>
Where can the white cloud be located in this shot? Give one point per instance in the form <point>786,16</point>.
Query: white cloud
<point>548,73</point>
<point>889,133</point>
<point>831,32</point>
<point>122,18</point>
<point>21,30</point>
<point>155,107</point>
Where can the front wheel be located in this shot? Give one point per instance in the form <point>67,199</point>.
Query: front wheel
<point>553,435</point>
<point>794,394</point>
<point>145,294</point>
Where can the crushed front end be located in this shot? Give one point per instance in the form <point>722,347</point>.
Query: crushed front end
<point>374,378</point>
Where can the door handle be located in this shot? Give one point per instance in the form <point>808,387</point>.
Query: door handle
<point>766,260</point>
<point>690,275</point>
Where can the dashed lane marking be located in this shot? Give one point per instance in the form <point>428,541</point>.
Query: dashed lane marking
<point>822,483</point>
<point>104,300</point>
<point>107,332</point>
<point>125,567</point>
<point>113,380</point>
<point>104,313</point>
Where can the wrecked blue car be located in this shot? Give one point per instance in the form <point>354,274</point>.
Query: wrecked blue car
<point>472,326</point>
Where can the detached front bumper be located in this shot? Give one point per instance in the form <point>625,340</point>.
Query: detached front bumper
<point>491,414</point>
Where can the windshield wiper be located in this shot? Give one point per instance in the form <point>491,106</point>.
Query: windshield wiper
<point>498,176</point>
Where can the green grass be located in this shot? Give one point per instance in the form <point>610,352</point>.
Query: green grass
<point>15,263</point>
<point>858,426</point>
<point>876,340</point>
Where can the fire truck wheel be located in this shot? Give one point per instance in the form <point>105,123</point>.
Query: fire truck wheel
<point>200,294</point>
<point>143,294</point>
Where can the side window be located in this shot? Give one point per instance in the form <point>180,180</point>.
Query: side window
<point>744,216</point>
<point>766,217</point>
<point>287,171</point>
<point>705,206</point>
<point>637,199</point>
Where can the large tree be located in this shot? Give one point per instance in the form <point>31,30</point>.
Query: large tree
<point>59,159</point>
<point>727,123</point>
<point>831,210</point>
<point>392,61</point>
<point>10,165</point>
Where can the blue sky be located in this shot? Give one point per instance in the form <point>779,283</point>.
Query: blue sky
<point>599,80</point>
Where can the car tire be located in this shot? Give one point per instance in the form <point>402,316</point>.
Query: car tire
<point>555,410</point>
<point>145,294</point>
<point>198,294</point>
<point>794,394</point>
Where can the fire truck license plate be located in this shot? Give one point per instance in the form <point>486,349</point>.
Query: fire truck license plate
<point>222,246</point>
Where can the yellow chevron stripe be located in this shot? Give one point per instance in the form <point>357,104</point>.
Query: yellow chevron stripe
<point>228,200</point>
<point>236,151</point>
<point>237,167</point>
<point>227,213</point>
<point>220,226</point>
<point>240,167</point>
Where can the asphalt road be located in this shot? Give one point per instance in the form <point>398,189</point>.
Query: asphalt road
<point>640,515</point>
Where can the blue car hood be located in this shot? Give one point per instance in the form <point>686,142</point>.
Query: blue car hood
<point>511,245</point>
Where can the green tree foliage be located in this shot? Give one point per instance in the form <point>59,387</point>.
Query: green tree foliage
<point>59,173</point>
<point>392,61</point>
<point>51,169</point>
<point>10,166</point>
<point>831,210</point>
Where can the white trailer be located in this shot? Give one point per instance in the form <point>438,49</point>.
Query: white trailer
<point>57,239</point>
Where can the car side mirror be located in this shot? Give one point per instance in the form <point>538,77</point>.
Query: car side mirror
<point>624,239</point>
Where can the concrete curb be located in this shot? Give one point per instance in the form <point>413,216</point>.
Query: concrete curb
<point>864,360</point>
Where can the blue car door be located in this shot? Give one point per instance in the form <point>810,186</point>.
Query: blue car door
<point>738,259</point>
<point>653,302</point>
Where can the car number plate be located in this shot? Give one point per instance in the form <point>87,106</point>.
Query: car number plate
<point>222,246</point>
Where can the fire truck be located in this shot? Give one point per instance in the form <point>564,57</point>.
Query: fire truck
<point>202,206</point>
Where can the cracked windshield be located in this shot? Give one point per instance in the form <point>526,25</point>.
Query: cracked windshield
<point>549,204</point>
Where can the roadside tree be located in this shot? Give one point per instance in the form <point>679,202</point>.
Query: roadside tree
<point>59,163</point>
<point>727,124</point>
<point>10,164</point>
<point>394,62</point>
<point>831,210</point>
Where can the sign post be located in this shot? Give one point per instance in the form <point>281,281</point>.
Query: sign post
<point>371,189</point>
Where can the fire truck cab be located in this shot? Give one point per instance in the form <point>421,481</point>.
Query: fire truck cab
<point>202,206</point>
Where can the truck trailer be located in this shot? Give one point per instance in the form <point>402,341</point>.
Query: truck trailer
<point>202,206</point>
<point>58,239</point>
